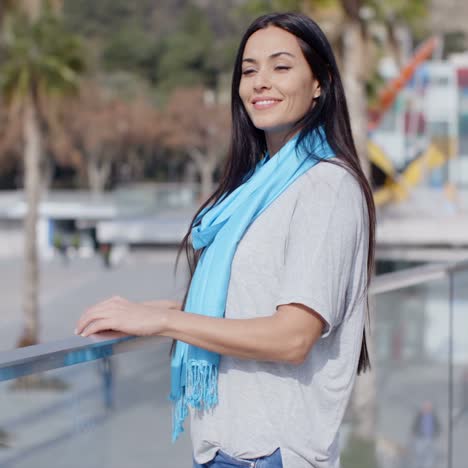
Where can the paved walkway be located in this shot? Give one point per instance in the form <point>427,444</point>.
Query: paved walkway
<point>72,428</point>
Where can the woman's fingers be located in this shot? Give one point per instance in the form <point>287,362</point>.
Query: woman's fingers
<point>89,316</point>
<point>84,322</point>
<point>98,311</point>
<point>98,325</point>
<point>122,313</point>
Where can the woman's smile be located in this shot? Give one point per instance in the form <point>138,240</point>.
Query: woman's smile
<point>263,103</point>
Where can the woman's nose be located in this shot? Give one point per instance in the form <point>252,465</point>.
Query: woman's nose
<point>261,81</point>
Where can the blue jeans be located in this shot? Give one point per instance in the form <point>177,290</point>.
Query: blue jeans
<point>223,460</point>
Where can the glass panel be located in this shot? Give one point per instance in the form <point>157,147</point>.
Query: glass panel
<point>460,369</point>
<point>113,412</point>
<point>410,382</point>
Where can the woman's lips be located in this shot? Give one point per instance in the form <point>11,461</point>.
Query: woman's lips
<point>261,104</point>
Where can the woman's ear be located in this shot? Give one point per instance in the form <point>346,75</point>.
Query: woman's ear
<point>317,92</point>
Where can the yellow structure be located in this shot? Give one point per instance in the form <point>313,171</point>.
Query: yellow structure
<point>397,185</point>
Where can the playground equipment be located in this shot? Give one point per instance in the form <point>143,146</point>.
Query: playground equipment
<point>390,184</point>
<point>397,185</point>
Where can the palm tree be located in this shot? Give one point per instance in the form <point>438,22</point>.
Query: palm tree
<point>5,6</point>
<point>41,61</point>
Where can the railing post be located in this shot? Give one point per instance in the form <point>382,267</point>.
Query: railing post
<point>450,366</point>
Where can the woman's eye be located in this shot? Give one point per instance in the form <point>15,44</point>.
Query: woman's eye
<point>282,67</point>
<point>249,71</point>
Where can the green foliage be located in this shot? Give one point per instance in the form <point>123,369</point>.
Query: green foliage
<point>359,453</point>
<point>373,86</point>
<point>454,42</point>
<point>184,54</point>
<point>132,48</point>
<point>166,45</point>
<point>103,17</point>
<point>39,57</point>
<point>256,8</point>
<point>188,56</point>
<point>412,13</point>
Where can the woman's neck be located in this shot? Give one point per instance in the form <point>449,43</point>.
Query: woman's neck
<point>275,140</point>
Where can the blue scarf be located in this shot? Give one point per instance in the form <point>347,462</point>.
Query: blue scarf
<point>218,229</point>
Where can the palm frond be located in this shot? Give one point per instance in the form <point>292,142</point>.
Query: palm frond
<point>39,54</point>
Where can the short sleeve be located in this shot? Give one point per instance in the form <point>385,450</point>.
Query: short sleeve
<point>322,247</point>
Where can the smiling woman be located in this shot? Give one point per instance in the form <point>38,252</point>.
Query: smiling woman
<point>270,335</point>
<point>277,86</point>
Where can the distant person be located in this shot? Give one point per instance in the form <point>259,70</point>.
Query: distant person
<point>426,423</point>
<point>4,439</point>
<point>465,390</point>
<point>463,411</point>
<point>273,330</point>
<point>425,429</point>
<point>61,247</point>
<point>106,250</point>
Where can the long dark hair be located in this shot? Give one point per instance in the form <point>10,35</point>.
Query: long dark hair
<point>248,144</point>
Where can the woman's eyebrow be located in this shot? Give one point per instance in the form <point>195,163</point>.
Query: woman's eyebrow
<point>276,54</point>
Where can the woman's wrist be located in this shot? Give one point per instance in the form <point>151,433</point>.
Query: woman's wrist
<point>167,323</point>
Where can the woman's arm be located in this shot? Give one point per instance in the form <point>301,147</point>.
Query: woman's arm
<point>286,336</point>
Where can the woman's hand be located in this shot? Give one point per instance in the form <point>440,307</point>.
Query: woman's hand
<point>132,318</point>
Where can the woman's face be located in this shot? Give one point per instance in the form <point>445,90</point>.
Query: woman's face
<point>277,86</point>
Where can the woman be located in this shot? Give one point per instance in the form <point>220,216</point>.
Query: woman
<point>283,253</point>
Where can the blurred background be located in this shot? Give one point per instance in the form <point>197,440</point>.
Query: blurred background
<point>114,124</point>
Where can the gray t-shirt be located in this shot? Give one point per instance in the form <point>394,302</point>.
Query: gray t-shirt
<point>310,247</point>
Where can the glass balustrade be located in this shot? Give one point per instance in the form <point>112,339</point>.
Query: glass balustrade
<point>104,403</point>
<point>459,387</point>
<point>419,379</point>
<point>112,412</point>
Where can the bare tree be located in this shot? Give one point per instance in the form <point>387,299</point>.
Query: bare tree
<point>199,126</point>
<point>101,131</point>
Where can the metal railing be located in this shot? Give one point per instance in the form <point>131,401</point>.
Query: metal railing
<point>75,350</point>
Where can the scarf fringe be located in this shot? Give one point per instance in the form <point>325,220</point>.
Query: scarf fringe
<point>200,392</point>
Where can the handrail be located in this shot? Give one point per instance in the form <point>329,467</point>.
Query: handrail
<point>414,276</point>
<point>75,350</point>
<point>406,278</point>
